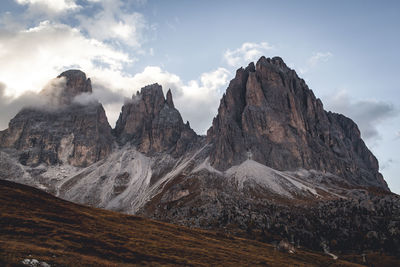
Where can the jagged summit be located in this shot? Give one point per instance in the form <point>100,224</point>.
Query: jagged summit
<point>273,160</point>
<point>152,122</point>
<point>275,61</point>
<point>269,113</point>
<point>62,90</point>
<point>76,82</point>
<point>60,133</point>
<point>169,100</point>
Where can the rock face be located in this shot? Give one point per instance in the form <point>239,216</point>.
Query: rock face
<point>64,132</point>
<point>268,114</point>
<point>153,124</point>
<point>67,86</point>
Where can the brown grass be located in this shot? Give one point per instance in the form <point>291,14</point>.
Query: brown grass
<point>34,224</point>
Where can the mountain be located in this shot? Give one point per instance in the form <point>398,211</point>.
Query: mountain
<point>274,165</point>
<point>268,114</point>
<point>61,131</point>
<point>153,124</point>
<point>38,226</point>
<point>73,83</point>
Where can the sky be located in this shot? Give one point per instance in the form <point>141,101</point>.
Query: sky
<point>346,51</point>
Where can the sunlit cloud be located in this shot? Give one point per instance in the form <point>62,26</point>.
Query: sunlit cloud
<point>50,6</point>
<point>247,53</point>
<point>42,52</point>
<point>114,23</point>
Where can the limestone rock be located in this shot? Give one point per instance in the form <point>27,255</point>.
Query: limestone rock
<point>269,114</point>
<point>153,124</point>
<point>66,87</point>
<point>70,133</point>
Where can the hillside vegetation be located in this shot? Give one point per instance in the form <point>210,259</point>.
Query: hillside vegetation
<point>36,225</point>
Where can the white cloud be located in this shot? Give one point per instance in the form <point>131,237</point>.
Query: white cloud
<point>368,114</point>
<point>112,86</point>
<point>50,6</point>
<point>104,20</point>
<point>315,60</point>
<point>202,94</point>
<point>34,55</point>
<point>113,22</point>
<point>199,100</point>
<point>319,57</point>
<point>39,53</point>
<point>10,106</point>
<point>246,53</point>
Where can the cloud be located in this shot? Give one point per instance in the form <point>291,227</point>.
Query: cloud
<point>52,91</point>
<point>35,54</point>
<point>368,114</point>
<point>114,23</point>
<point>9,107</point>
<point>49,6</point>
<point>200,99</point>
<point>247,53</point>
<point>111,99</point>
<point>94,44</point>
<point>398,135</point>
<point>319,57</point>
<point>197,100</point>
<point>113,87</point>
<point>315,60</point>
<point>202,94</point>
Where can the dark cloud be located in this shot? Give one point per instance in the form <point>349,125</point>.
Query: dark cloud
<point>368,114</point>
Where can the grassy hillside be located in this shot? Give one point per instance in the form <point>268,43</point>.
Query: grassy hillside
<point>34,224</point>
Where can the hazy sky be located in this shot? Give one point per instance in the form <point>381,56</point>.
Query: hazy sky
<point>347,51</point>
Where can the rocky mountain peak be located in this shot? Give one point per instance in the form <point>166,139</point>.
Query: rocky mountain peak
<point>65,132</point>
<point>169,100</point>
<point>152,123</point>
<point>276,62</point>
<point>153,91</point>
<point>69,84</point>
<point>76,82</point>
<point>270,115</point>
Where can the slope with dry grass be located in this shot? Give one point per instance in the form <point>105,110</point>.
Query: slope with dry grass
<point>34,224</point>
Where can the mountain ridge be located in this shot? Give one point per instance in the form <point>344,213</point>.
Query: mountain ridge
<point>272,159</point>
<point>267,113</point>
<point>271,114</point>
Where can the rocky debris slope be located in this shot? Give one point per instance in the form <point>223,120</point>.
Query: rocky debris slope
<point>153,124</point>
<point>269,114</point>
<point>359,221</point>
<point>62,131</point>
